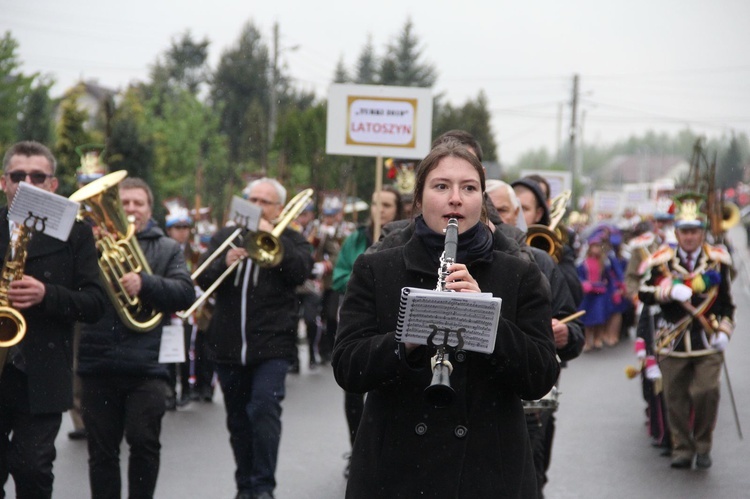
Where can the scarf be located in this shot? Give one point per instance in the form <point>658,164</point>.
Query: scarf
<point>474,244</point>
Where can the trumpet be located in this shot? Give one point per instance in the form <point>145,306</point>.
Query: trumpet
<point>551,238</point>
<point>263,248</point>
<point>440,393</point>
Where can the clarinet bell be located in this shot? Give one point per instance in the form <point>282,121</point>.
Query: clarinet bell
<point>439,393</point>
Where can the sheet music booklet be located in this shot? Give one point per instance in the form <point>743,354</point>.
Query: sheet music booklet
<point>467,320</point>
<point>245,214</point>
<point>45,211</point>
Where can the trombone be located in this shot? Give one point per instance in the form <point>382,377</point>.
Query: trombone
<point>263,248</point>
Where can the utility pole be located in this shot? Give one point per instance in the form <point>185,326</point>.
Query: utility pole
<point>274,108</point>
<point>558,135</point>
<point>573,133</point>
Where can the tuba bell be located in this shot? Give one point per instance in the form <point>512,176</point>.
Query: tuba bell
<point>730,216</point>
<point>119,251</point>
<point>552,238</point>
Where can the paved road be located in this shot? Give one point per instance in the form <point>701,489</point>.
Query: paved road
<point>601,447</point>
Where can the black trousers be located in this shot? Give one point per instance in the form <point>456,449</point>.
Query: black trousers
<point>541,426</point>
<point>28,454</point>
<point>117,406</point>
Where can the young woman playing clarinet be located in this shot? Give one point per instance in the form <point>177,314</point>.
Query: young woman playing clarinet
<point>477,446</point>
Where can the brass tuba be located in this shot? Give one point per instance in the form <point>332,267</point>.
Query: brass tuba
<point>119,251</point>
<point>12,322</point>
<point>551,238</point>
<point>730,216</point>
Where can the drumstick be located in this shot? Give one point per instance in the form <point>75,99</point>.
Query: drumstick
<point>572,317</point>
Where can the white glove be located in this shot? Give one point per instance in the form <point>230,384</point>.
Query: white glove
<point>652,368</point>
<point>680,292</point>
<point>319,268</point>
<point>720,341</point>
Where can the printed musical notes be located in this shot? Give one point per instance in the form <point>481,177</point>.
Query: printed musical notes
<point>428,317</point>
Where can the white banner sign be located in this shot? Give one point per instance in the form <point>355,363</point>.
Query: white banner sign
<point>373,120</point>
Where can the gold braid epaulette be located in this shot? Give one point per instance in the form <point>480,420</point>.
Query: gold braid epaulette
<point>661,256</point>
<point>718,254</point>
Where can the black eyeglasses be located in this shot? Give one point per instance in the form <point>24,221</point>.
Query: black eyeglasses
<point>261,201</point>
<point>37,178</point>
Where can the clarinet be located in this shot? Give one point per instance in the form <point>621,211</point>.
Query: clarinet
<point>439,392</point>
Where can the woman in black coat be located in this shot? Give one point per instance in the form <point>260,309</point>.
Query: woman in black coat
<point>478,446</point>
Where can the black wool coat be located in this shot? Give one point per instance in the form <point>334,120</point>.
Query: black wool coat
<point>476,447</point>
<point>270,302</point>
<point>70,273</point>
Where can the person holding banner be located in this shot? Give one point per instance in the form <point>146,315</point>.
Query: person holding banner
<point>60,286</point>
<point>477,446</point>
<point>124,384</point>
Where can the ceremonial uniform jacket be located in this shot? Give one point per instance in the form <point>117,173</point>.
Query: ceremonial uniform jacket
<point>680,334</point>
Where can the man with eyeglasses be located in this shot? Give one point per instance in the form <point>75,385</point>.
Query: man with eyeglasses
<point>60,286</point>
<point>253,335</point>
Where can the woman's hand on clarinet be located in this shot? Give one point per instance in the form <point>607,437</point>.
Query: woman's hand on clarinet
<point>459,279</point>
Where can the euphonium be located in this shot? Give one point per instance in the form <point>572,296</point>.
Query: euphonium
<point>551,238</point>
<point>12,322</point>
<point>119,251</point>
<point>439,392</point>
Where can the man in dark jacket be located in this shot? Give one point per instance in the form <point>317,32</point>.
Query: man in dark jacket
<point>253,333</point>
<point>60,286</point>
<point>124,385</point>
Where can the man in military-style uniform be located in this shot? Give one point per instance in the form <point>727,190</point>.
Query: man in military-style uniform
<point>692,286</point>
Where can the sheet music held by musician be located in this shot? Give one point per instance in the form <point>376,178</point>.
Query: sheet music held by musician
<point>471,316</point>
<point>244,213</point>
<point>56,213</point>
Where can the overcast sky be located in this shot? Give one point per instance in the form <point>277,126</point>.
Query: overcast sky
<point>658,64</point>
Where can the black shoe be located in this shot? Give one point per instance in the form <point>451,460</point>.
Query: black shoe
<point>183,401</point>
<point>81,434</point>
<point>666,452</point>
<point>294,368</point>
<point>682,463</point>
<point>348,457</point>
<point>264,495</point>
<point>703,461</point>
<point>244,494</point>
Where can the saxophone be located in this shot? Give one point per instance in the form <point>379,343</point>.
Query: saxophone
<point>439,392</point>
<point>12,322</point>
